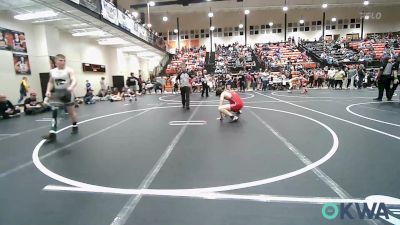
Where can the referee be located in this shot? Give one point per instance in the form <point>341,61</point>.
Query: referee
<point>184,81</point>
<point>385,78</point>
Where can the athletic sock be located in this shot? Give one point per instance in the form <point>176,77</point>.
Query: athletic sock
<point>54,120</point>
<point>232,117</point>
<point>74,124</point>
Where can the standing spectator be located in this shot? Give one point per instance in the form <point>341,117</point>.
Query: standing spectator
<point>331,77</point>
<point>205,87</point>
<point>385,78</point>
<point>184,81</point>
<point>350,76</point>
<point>140,81</point>
<point>88,86</point>
<point>103,87</point>
<point>132,82</point>
<point>23,89</point>
<point>361,76</point>
<point>7,109</point>
<point>242,82</point>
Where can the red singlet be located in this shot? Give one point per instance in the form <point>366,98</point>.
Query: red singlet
<point>236,102</point>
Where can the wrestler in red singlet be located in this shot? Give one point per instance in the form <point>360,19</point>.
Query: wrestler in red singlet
<point>235,101</point>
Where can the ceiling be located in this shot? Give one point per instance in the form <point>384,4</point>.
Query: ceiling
<point>69,20</point>
<point>232,5</point>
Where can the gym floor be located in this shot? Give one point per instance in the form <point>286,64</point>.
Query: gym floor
<point>152,162</point>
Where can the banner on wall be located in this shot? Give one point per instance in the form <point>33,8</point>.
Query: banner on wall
<point>21,64</point>
<point>125,21</point>
<point>4,44</point>
<point>93,5</point>
<point>12,40</point>
<point>109,12</point>
<point>19,42</point>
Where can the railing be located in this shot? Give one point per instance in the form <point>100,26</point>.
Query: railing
<point>108,13</point>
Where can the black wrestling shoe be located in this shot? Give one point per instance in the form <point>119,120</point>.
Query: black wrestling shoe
<point>51,137</point>
<point>377,99</point>
<point>74,130</point>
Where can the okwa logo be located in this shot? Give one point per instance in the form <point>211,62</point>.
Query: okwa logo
<point>373,207</point>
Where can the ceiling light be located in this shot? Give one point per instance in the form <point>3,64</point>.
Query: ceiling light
<point>247,12</point>
<point>271,24</point>
<point>301,21</point>
<point>135,14</point>
<point>165,19</point>
<point>366,2</point>
<point>35,15</point>
<point>324,5</point>
<point>240,26</point>
<point>366,17</point>
<point>334,19</point>
<point>152,3</point>
<point>89,33</point>
<point>210,14</point>
<point>132,49</point>
<point>175,31</point>
<point>112,41</point>
<point>212,28</point>
<point>149,25</point>
<point>285,8</point>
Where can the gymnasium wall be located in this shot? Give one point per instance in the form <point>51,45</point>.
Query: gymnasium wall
<point>44,41</point>
<point>383,19</point>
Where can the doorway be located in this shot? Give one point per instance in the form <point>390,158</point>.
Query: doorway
<point>118,82</point>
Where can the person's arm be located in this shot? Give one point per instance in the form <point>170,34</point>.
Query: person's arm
<point>73,80</point>
<point>50,86</point>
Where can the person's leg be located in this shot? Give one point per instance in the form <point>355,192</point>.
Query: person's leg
<point>21,97</point>
<point>341,84</point>
<point>74,118</point>
<point>388,89</point>
<point>187,97</point>
<point>207,90</point>
<point>203,90</point>
<point>381,87</point>
<point>348,83</point>
<point>392,90</point>
<point>183,97</point>
<point>54,122</point>
<point>225,110</point>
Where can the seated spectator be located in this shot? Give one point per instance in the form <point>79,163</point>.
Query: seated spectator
<point>115,95</point>
<point>7,109</point>
<point>32,106</point>
<point>89,97</point>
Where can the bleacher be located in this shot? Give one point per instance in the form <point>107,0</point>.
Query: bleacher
<point>193,59</point>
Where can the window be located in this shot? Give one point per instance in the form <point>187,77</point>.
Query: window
<point>313,28</point>
<point>307,28</point>
<point>251,32</point>
<point>301,28</point>
<point>219,29</point>
<point>295,29</point>
<point>207,35</point>
<point>230,34</point>
<point>202,31</point>
<point>262,26</point>
<point>345,26</point>
<point>340,21</point>
<point>333,27</point>
<point>279,30</point>
<point>274,31</point>
<point>327,27</point>
<point>352,26</point>
<point>267,26</point>
<point>196,36</point>
<point>358,25</point>
<point>256,32</point>
<point>314,23</point>
<point>192,32</point>
<point>241,33</point>
<point>165,38</point>
<point>352,20</point>
<point>225,34</point>
<point>319,22</point>
<point>251,27</point>
<point>290,24</point>
<point>236,28</point>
